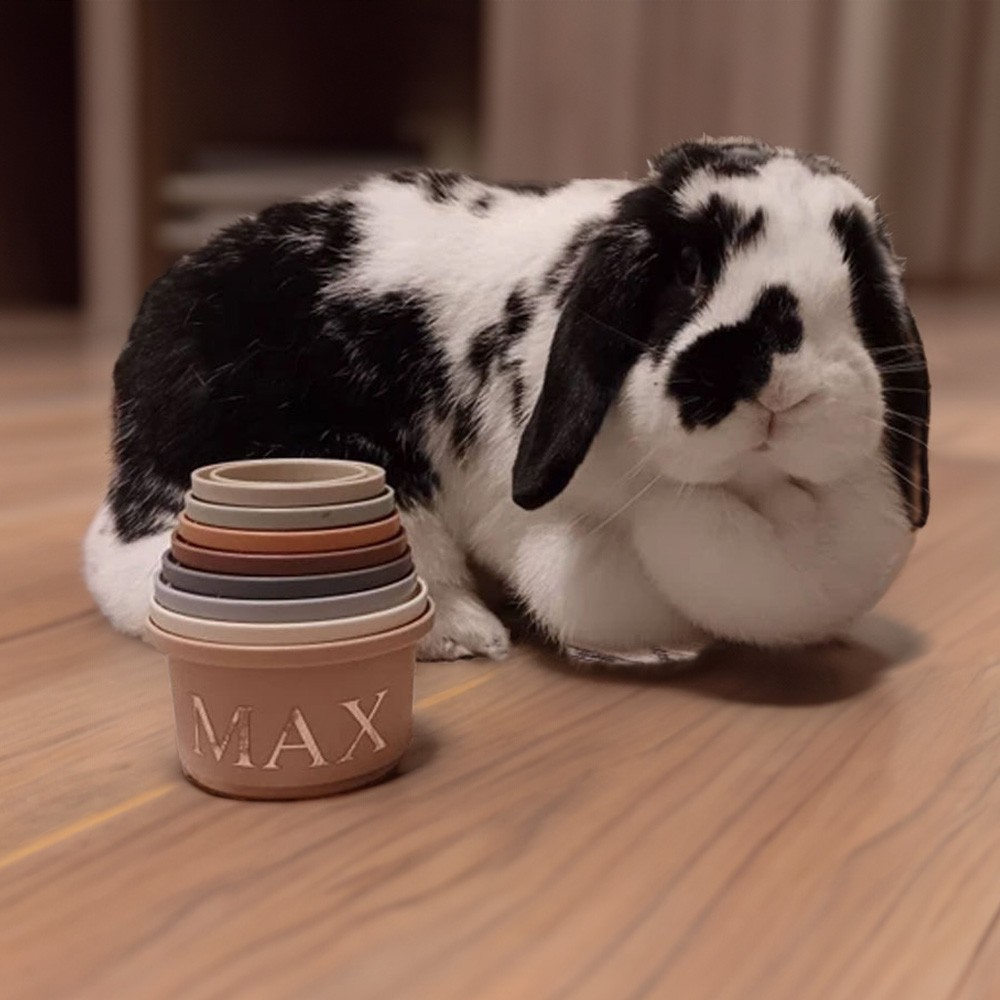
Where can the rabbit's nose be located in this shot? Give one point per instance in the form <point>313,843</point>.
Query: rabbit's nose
<point>781,400</point>
<point>786,389</point>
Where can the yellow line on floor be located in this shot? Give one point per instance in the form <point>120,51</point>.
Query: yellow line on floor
<point>143,798</point>
<point>454,692</point>
<point>82,825</point>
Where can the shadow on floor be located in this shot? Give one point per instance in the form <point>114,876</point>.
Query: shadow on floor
<point>810,675</point>
<point>422,750</point>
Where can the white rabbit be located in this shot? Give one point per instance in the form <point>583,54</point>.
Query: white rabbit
<point>660,411</point>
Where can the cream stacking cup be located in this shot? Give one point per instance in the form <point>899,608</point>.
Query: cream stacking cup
<point>289,611</point>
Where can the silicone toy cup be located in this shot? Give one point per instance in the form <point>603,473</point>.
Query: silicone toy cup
<point>287,564</point>
<point>282,588</point>
<point>300,609</point>
<point>287,722</point>
<point>287,482</point>
<point>291,518</point>
<point>319,540</point>
<point>263,633</point>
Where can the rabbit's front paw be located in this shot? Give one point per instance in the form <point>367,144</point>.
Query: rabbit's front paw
<point>463,627</point>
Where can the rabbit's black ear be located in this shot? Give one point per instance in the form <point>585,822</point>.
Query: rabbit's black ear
<point>890,333</point>
<point>603,328</point>
<point>908,404</point>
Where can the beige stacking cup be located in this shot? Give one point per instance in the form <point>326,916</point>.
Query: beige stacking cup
<point>286,633</point>
<point>287,482</point>
<point>339,515</point>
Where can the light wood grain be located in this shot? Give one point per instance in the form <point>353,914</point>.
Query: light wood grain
<point>820,823</point>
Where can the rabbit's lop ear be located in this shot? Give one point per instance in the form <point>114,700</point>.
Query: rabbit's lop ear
<point>908,398</point>
<point>889,331</point>
<point>603,329</point>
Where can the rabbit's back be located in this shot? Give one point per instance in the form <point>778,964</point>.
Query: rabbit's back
<point>371,322</point>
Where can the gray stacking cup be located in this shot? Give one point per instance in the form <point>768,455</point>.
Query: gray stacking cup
<point>303,609</point>
<point>263,588</point>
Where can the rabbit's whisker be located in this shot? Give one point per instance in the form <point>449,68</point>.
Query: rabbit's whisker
<point>629,474</point>
<point>898,415</point>
<point>900,432</point>
<point>625,506</point>
<point>612,329</point>
<point>896,348</point>
<point>906,478</point>
<point>903,366</point>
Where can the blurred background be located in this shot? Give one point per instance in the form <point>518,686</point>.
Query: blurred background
<point>132,128</point>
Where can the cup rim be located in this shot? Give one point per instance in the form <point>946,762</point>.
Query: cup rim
<point>292,518</point>
<point>290,633</point>
<point>287,542</point>
<point>273,610</point>
<point>262,587</point>
<point>284,564</point>
<point>336,481</point>
<point>245,655</point>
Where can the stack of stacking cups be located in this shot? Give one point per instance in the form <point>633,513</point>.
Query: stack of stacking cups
<point>290,611</point>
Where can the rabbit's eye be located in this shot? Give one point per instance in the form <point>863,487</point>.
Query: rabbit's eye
<point>689,268</point>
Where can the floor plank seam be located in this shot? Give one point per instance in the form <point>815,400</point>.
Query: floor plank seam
<point>40,629</point>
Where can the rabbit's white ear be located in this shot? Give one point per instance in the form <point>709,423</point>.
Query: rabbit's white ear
<point>602,331</point>
<point>890,334</point>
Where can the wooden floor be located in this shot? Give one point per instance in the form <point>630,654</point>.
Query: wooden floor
<point>814,825</point>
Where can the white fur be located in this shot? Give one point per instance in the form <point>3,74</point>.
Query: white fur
<point>663,537</point>
<point>120,574</point>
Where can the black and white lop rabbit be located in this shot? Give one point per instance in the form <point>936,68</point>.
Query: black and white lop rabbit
<point>689,406</point>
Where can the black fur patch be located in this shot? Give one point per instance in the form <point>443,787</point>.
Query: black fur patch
<point>733,362</point>
<point>517,392</point>
<point>722,159</point>
<point>750,231</point>
<point>441,184</point>
<point>604,328</point>
<point>482,203</point>
<point>531,187</point>
<point>493,344</point>
<point>236,354</point>
<point>437,185</point>
<point>407,175</point>
<point>721,227</point>
<point>557,278</point>
<point>466,422</point>
<point>891,336</point>
<point>489,353</point>
<point>820,165</point>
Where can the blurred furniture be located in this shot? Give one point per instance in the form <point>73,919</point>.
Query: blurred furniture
<point>155,121</point>
<point>905,94</point>
<point>197,112</point>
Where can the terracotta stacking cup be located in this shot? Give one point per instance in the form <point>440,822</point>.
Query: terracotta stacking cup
<point>287,542</point>
<point>287,564</point>
<point>289,610</point>
<point>292,721</point>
